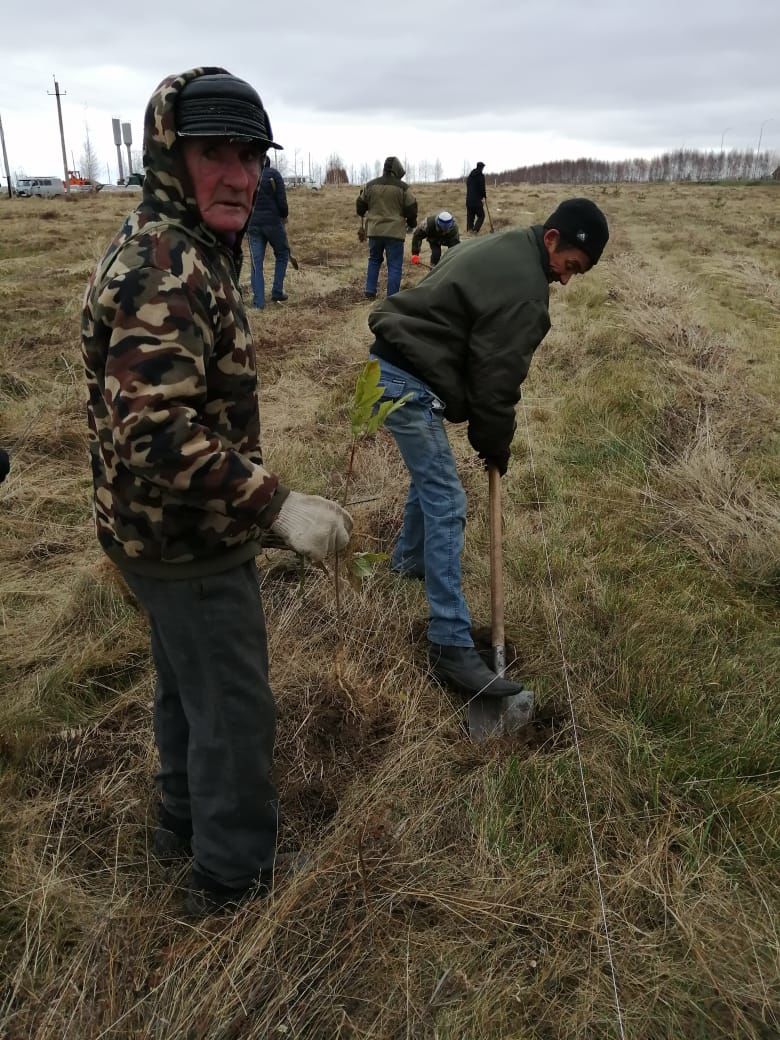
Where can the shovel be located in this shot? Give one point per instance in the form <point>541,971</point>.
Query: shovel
<point>490,219</point>
<point>497,716</point>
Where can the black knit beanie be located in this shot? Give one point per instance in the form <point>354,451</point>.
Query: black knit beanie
<point>581,225</point>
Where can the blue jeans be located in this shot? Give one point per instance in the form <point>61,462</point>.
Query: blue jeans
<point>258,240</point>
<point>393,248</point>
<point>431,539</point>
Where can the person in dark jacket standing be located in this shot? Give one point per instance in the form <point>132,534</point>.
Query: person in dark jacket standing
<point>266,225</point>
<point>183,501</point>
<point>476,193</point>
<point>390,210</point>
<point>460,343</point>
<point>440,230</point>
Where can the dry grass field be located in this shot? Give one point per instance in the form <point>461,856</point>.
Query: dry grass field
<point>449,889</point>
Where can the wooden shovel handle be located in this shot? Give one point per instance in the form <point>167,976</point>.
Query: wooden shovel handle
<point>496,561</point>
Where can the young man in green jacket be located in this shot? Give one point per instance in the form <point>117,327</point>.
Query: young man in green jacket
<point>461,343</point>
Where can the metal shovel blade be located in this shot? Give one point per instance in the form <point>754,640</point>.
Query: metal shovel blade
<point>490,717</point>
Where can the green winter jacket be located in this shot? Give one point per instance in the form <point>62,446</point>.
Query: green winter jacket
<point>470,328</point>
<point>180,489</point>
<point>387,203</point>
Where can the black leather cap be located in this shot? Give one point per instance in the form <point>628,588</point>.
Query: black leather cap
<point>221,105</point>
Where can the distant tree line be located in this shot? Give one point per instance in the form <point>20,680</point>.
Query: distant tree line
<point>336,170</point>
<point>681,165</point>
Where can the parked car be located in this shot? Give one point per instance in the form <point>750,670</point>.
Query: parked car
<point>39,187</point>
<point>301,182</point>
<point>123,189</point>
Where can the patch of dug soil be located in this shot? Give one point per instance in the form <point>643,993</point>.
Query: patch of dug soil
<point>342,299</point>
<point>329,743</point>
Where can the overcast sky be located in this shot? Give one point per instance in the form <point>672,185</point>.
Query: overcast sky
<point>508,82</point>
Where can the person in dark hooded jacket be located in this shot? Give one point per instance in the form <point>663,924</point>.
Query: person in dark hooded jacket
<point>182,498</point>
<point>390,210</point>
<point>476,193</point>
<point>267,227</point>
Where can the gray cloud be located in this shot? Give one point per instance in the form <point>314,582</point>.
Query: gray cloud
<point>606,72</point>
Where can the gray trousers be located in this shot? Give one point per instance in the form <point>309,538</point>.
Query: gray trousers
<point>215,717</point>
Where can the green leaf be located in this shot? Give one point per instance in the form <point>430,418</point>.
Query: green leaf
<point>386,408</point>
<point>364,417</point>
<point>367,393</point>
<point>365,563</point>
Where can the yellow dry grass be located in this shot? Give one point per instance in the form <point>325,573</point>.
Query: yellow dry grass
<point>449,890</point>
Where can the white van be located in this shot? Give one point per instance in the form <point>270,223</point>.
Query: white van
<point>40,187</point>
<point>301,182</point>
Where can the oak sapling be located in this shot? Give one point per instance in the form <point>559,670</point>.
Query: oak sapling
<point>366,417</point>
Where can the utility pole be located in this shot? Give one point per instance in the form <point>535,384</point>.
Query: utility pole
<point>62,133</point>
<point>5,160</point>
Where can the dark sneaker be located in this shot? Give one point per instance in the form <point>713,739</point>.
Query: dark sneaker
<point>463,670</point>
<point>206,897</point>
<point>168,845</point>
<point>172,836</point>
<point>408,572</point>
<point>280,297</point>
<point>370,295</point>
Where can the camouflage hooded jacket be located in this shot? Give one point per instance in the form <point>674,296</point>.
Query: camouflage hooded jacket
<point>180,489</point>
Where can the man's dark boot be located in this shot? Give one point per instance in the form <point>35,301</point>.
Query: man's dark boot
<point>463,670</point>
<point>172,836</point>
<point>408,572</point>
<point>206,897</point>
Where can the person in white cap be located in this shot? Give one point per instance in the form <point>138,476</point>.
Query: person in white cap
<point>440,230</point>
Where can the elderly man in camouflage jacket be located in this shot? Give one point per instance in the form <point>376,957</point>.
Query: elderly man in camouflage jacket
<point>181,495</point>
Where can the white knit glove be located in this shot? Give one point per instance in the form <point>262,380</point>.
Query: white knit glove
<point>313,526</point>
